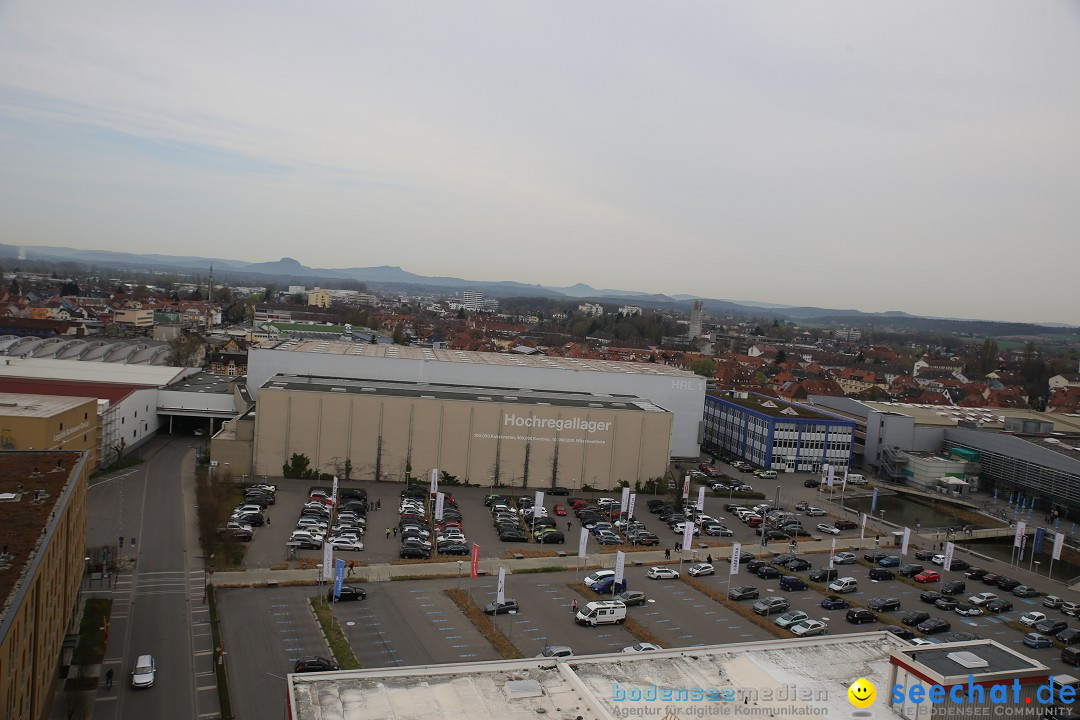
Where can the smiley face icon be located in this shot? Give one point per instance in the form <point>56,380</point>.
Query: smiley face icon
<point>862,693</point>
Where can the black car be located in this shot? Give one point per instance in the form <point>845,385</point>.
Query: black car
<point>1008,584</point>
<point>914,617</point>
<point>314,663</point>
<point>506,606</point>
<point>946,603</point>
<point>513,536</point>
<point>883,604</point>
<point>1049,626</point>
<point>822,575</point>
<point>552,538</point>
<point>924,555</point>
<point>774,534</point>
<point>959,565</point>
<point>975,573</point>
<point>645,538</point>
<point>910,570</point>
<point>990,578</point>
<point>768,572</point>
<point>756,564</point>
<point>880,573</point>
<point>453,549</point>
<point>998,606</point>
<point>1070,636</point>
<point>811,483</point>
<point>930,596</point>
<point>412,552</point>
<point>348,592</point>
<point>792,583</point>
<point>858,616</point>
<point>933,625</point>
<point>845,524</point>
<point>953,587</point>
<point>900,632</point>
<point>961,637</point>
<point>874,556</point>
<point>743,592</point>
<point>798,565</point>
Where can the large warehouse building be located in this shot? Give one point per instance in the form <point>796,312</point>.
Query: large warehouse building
<point>482,435</point>
<point>680,392</point>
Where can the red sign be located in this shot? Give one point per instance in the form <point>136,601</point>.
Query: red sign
<point>475,560</point>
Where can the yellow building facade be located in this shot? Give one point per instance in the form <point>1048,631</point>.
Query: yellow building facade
<point>49,422</point>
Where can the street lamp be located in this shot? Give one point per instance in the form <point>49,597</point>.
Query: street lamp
<point>349,625</point>
<point>459,566</point>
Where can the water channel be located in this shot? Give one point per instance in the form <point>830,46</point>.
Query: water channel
<point>906,513</point>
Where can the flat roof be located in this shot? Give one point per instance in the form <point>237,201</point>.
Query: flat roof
<point>438,391</point>
<point>991,418</point>
<point>22,518</point>
<point>789,677</point>
<point>408,352</point>
<point>951,663</point>
<point>774,407</point>
<point>204,382</point>
<point>40,406</point>
<point>127,374</point>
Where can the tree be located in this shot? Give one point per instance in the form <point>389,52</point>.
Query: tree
<point>988,356</point>
<point>223,294</point>
<point>706,367</point>
<point>185,350</point>
<point>348,468</point>
<point>299,466</point>
<point>781,356</point>
<point>69,288</point>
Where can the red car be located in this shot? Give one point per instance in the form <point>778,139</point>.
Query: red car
<point>927,576</point>
<point>559,509</point>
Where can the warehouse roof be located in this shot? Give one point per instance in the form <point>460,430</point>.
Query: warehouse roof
<point>437,391</point>
<point>128,374</point>
<point>39,406</point>
<point>778,678</point>
<point>404,352</point>
<point>774,407</point>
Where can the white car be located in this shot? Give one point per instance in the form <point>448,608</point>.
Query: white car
<point>598,576</point>
<point>814,511</point>
<point>938,559</point>
<point>145,672</point>
<point>827,528</point>
<point>701,569</point>
<point>662,573</point>
<point>1030,618</point>
<point>808,627</point>
<point>641,647</point>
<point>346,543</point>
<point>982,598</point>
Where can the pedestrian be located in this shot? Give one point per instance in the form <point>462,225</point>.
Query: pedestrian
<point>667,554</point>
<point>108,679</point>
<point>573,606</point>
<point>941,546</point>
<point>387,533</point>
<point>352,564</point>
<point>395,532</point>
<point>676,547</point>
<point>568,526</point>
<point>267,521</point>
<point>708,558</point>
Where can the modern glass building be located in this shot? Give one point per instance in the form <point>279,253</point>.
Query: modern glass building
<point>776,434</point>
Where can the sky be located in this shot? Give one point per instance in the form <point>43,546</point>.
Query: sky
<point>917,156</point>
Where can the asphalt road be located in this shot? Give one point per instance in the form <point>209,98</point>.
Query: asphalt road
<point>157,604</point>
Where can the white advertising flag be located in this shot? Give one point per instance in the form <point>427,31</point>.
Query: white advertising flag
<point>434,480</point>
<point>907,539</point>
<point>327,561</point>
<point>701,499</point>
<point>831,474</point>
<point>686,488</point>
<point>862,532</point>
<point>630,505</point>
<point>948,557</point>
<point>1059,541</point>
<point>583,543</point>
<point>539,500</point>
<point>620,565</point>
<point>625,502</point>
<point>688,535</point>
<point>440,501</point>
<point>333,492</point>
<point>736,549</point>
<point>832,553</point>
<point>1021,527</point>
<point>500,594</point>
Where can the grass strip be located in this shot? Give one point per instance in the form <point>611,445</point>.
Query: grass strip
<point>335,638</point>
<point>506,649</point>
<point>224,698</point>
<point>91,647</point>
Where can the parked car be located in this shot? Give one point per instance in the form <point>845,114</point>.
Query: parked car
<point>910,569</point>
<point>953,587</point>
<point>947,603</point>
<point>348,592</point>
<point>1031,618</point>
<point>743,592</point>
<point>768,572</point>
<point>1071,609</point>
<point>641,647</point>
<point>828,528</point>
<point>998,606</point>
<point>880,604</point>
<point>1052,601</point>
<point>556,651</point>
<point>633,597</point>
<point>791,617</point>
<point>662,573</point>
<point>1069,636</point>
<point>927,576</point>
<point>770,605</point>
<point>881,574</point>
<point>699,569</point>
<point>1037,641</point>
<point>982,598</point>
<point>890,561</point>
<point>844,585</point>
<point>835,602</point>
<point>859,616</point>
<point>846,524</point>
<point>1050,626</point>
<point>314,663</point>
<point>823,575</point>
<point>967,610</point>
<point>844,558</point>
<point>500,608</point>
<point>1025,591</point>
<point>791,583</point>
<point>914,617</point>
<point>901,632</point>
<point>933,625</point>
<point>808,627</point>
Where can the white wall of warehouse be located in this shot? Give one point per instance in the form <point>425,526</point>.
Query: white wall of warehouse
<point>683,396</point>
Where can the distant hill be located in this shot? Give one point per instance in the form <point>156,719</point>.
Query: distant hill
<point>393,278</point>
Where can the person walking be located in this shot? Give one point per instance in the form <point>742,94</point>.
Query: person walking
<point>352,564</point>
<point>708,558</point>
<point>267,521</point>
<point>573,606</point>
<point>667,554</point>
<point>568,526</point>
<point>108,679</point>
<point>395,531</point>
<point>387,533</point>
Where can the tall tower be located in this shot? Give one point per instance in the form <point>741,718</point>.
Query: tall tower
<point>209,299</point>
<point>697,312</point>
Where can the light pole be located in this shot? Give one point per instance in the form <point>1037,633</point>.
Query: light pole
<point>1037,563</point>
<point>349,625</point>
<point>459,566</point>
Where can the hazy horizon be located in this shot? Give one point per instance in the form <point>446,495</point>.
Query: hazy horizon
<point>895,156</point>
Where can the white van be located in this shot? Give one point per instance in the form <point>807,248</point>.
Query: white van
<point>855,479</point>
<point>844,585</point>
<point>602,613</point>
<point>767,475</point>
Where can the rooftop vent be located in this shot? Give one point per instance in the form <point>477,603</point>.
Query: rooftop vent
<point>968,660</point>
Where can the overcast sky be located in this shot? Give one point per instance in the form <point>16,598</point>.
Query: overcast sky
<point>917,156</point>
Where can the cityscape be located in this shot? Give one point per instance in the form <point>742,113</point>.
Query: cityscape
<point>418,362</point>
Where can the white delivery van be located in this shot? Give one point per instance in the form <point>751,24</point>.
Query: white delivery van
<point>855,479</point>
<point>844,585</point>
<point>768,475</point>
<point>602,613</point>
